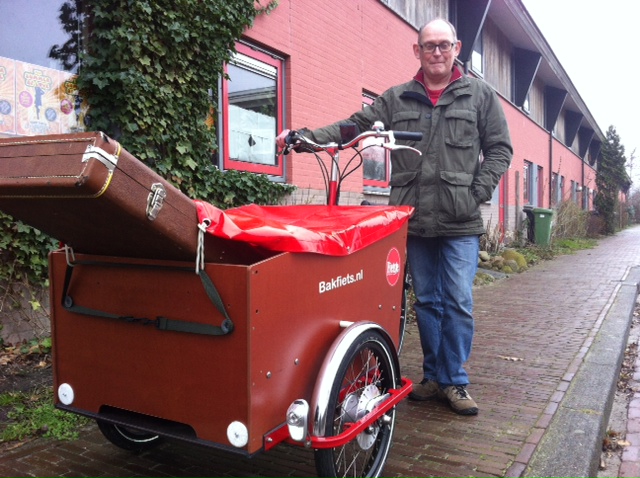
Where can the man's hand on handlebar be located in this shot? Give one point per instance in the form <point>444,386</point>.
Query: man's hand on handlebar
<point>281,139</point>
<point>288,140</point>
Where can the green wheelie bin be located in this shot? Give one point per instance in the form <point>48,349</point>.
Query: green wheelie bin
<point>540,219</point>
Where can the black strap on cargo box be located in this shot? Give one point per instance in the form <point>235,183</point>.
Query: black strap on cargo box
<point>161,323</point>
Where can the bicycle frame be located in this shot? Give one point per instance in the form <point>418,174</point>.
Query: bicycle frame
<point>335,175</point>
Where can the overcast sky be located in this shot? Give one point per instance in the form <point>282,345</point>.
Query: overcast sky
<point>597,43</point>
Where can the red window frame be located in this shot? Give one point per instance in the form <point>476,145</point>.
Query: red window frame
<point>278,64</point>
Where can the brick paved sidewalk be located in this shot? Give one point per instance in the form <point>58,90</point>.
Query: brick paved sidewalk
<point>533,332</point>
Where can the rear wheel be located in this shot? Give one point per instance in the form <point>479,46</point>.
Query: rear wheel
<point>365,375</point>
<point>128,438</point>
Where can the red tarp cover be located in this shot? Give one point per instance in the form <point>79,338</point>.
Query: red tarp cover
<point>329,230</point>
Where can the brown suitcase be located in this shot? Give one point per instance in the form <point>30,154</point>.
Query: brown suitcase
<point>87,191</point>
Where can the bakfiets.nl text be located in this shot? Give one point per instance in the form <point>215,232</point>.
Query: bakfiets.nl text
<point>340,281</point>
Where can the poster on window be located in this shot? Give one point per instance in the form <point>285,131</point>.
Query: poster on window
<point>251,136</point>
<point>37,105</point>
<point>38,100</point>
<point>7,96</point>
<point>73,108</point>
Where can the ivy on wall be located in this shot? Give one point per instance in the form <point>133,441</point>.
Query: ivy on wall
<point>150,76</point>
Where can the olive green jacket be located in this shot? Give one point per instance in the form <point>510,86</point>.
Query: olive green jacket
<point>466,148</point>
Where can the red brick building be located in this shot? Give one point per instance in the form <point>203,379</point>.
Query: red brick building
<point>335,56</point>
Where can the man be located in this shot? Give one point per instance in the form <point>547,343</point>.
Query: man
<point>460,118</point>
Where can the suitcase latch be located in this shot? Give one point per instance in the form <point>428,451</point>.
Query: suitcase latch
<point>155,200</point>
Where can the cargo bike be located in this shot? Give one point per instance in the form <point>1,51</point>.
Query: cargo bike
<point>285,328</point>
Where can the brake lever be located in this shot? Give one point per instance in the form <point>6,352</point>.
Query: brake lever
<point>395,147</point>
<point>286,150</point>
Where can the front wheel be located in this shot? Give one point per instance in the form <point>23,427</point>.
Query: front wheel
<point>365,374</point>
<point>127,438</point>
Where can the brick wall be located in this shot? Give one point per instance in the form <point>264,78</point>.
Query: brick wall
<point>335,49</point>
<point>531,143</point>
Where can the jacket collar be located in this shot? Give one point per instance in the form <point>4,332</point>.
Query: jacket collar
<point>456,74</point>
<point>418,91</point>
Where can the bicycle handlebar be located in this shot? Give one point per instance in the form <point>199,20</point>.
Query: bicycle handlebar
<point>299,143</point>
<point>294,139</point>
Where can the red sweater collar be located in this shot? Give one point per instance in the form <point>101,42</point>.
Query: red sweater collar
<point>434,95</point>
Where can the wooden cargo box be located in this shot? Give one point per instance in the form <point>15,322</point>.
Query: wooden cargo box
<point>122,366</point>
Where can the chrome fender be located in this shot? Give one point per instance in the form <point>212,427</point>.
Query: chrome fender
<point>329,370</point>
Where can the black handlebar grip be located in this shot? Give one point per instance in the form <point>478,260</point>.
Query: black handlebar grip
<point>408,135</point>
<point>291,137</point>
<point>289,142</point>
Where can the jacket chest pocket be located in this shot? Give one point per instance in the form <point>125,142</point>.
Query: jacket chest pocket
<point>460,129</point>
<point>406,121</point>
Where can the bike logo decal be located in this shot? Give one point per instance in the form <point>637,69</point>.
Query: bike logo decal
<point>393,266</point>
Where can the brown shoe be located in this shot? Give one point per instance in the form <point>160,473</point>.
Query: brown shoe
<point>425,390</point>
<point>460,400</point>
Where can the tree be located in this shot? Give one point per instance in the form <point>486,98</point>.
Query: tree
<point>634,206</point>
<point>630,162</point>
<point>611,178</point>
<point>71,19</point>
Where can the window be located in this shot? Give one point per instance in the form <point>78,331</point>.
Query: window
<point>38,91</point>
<point>540,184</point>
<point>527,182</point>
<point>587,197</point>
<point>252,112</point>
<point>376,166</point>
<point>54,47</point>
<point>477,56</point>
<point>554,188</point>
<point>526,105</point>
<point>574,192</point>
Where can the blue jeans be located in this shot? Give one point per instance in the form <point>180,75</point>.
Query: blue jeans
<point>442,270</point>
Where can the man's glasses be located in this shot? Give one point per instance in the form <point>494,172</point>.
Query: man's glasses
<point>444,47</point>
